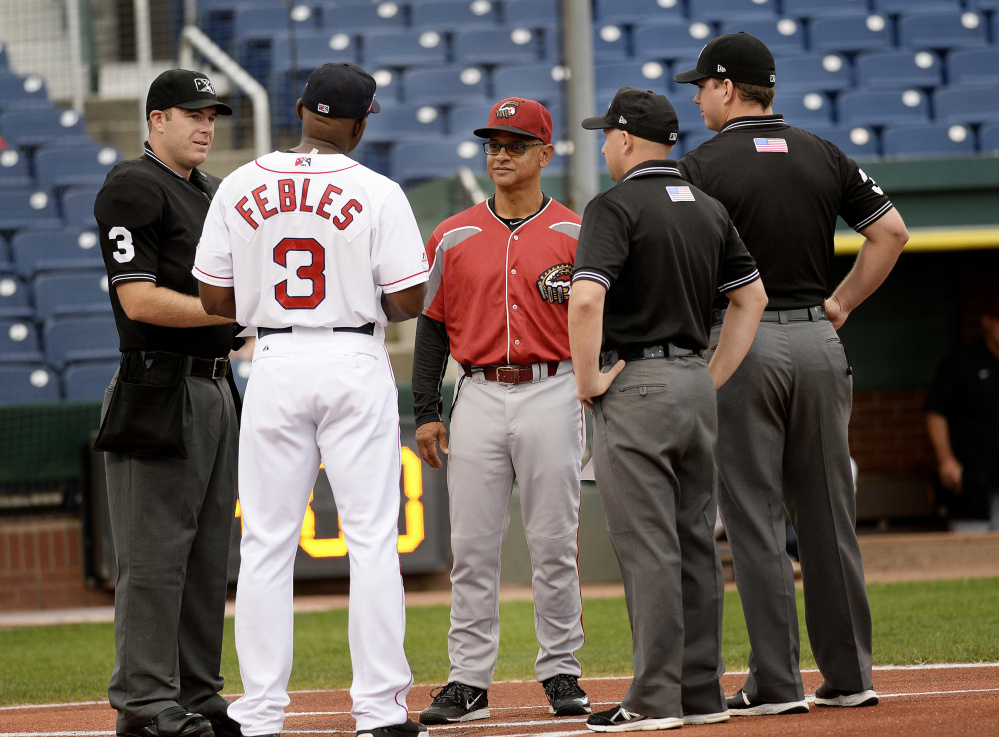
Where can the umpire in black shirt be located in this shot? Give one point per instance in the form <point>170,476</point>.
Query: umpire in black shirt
<point>653,253</point>
<point>169,422</point>
<point>782,419</point>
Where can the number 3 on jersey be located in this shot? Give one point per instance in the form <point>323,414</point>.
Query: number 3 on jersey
<point>312,272</point>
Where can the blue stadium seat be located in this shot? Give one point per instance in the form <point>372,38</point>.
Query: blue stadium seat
<point>27,383</point>
<point>649,75</point>
<point>730,10</point>
<point>805,109</point>
<point>532,81</point>
<point>72,339</point>
<point>33,128</point>
<point>241,374</point>
<point>782,36</point>
<point>898,70</point>
<point>363,17</point>
<point>900,7</point>
<point>942,30</point>
<point>823,8</point>
<point>671,39</point>
<point>404,48</point>
<point>74,166</point>
<point>444,85</point>
<point>405,122</point>
<point>28,208</point>
<point>83,381</point>
<point>987,5</point>
<point>851,33</point>
<point>78,207</point>
<point>532,14</point>
<point>857,142</point>
<point>692,140</point>
<point>437,158</point>
<point>883,107</point>
<point>463,119</point>
<point>44,250</point>
<point>449,16</point>
<point>972,104</point>
<point>517,46</point>
<point>71,293</point>
<point>19,341</point>
<point>611,42</point>
<point>973,66</point>
<point>14,170</point>
<point>927,141</point>
<point>254,28</point>
<point>21,93</point>
<point>988,138</point>
<point>813,73</point>
<point>14,299</point>
<point>636,11</point>
<point>688,114</point>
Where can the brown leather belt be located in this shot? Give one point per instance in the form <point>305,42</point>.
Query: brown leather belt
<point>512,374</point>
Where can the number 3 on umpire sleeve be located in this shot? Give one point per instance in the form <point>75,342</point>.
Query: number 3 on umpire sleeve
<point>126,251</point>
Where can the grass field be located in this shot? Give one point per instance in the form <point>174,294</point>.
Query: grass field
<point>949,621</point>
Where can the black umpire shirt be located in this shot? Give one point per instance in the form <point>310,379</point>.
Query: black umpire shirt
<point>150,220</point>
<point>663,249</point>
<point>784,188</point>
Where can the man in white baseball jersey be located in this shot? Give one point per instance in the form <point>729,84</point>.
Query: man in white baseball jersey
<point>318,253</point>
<point>497,302</point>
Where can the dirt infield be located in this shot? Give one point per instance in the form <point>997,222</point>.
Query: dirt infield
<point>935,700</point>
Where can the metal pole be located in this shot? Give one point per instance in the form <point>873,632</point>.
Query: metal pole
<point>76,53</point>
<point>578,43</point>
<point>143,58</point>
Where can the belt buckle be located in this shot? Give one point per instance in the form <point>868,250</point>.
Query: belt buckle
<point>219,366</point>
<point>511,371</point>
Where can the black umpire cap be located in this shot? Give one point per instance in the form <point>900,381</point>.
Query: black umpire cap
<point>184,89</point>
<point>736,56</point>
<point>642,113</point>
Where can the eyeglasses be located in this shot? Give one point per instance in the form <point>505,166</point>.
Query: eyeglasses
<point>514,148</point>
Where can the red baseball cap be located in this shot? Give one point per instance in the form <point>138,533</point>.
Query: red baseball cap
<point>517,115</point>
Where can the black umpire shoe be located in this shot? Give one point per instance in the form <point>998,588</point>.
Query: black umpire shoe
<point>828,696</point>
<point>175,721</point>
<point>740,705</point>
<point>456,702</point>
<point>620,719</point>
<point>565,696</point>
<point>406,729</point>
<point>224,725</point>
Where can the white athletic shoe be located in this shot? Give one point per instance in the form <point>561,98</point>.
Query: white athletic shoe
<point>620,719</point>
<point>825,695</point>
<point>718,716</point>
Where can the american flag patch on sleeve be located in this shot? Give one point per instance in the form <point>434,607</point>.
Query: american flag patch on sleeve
<point>770,144</point>
<point>680,194</point>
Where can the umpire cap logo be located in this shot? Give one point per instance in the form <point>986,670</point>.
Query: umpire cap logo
<point>204,85</point>
<point>555,283</point>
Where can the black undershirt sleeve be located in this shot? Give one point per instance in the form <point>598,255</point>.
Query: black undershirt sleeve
<point>429,364</point>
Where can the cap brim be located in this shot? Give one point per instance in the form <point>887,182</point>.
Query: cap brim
<point>375,107</point>
<point>484,132</point>
<point>689,77</point>
<point>220,107</point>
<point>597,123</point>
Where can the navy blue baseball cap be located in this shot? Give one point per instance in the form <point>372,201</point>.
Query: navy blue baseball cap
<point>340,90</point>
<point>184,89</point>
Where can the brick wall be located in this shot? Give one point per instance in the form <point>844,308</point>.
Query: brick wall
<point>888,432</point>
<point>41,565</point>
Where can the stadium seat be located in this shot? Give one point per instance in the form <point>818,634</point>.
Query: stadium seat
<point>33,128</point>
<point>14,300</point>
<point>27,383</point>
<point>883,107</point>
<point>73,339</point>
<point>781,35</point>
<point>87,381</point>
<point>813,73</point>
<point>987,5</point>
<point>688,114</point>
<point>542,14</point>
<point>439,158</point>
<point>14,170</point>
<point>463,119</point>
<point>444,85</point>
<point>942,30</point>
<point>405,122</point>
<point>857,142</point>
<point>692,140</point>
<point>533,81</point>
<point>851,33</point>
<point>823,8</point>
<point>451,16</point>
<point>804,109</point>
<point>988,138</point>
<point>254,28</point>
<point>28,208</point>
<point>44,250</point>
<point>628,12</point>
<point>899,7</point>
<point>973,66</point>
<point>972,104</point>
<point>362,17</point>
<point>928,141</point>
<point>898,70</point>
<point>74,166</point>
<point>19,341</point>
<point>649,75</point>
<point>611,42</point>
<point>241,374</point>
<point>731,10</point>
<point>71,293</point>
<point>517,46</point>
<point>403,49</point>
<point>309,50</point>
<point>21,93</point>
<point>671,39</point>
<point>78,207</point>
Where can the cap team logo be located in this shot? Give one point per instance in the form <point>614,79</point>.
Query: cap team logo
<point>303,161</point>
<point>203,84</point>
<point>322,108</point>
<point>555,283</point>
<point>507,109</point>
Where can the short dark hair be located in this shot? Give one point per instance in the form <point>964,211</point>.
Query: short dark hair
<point>755,94</point>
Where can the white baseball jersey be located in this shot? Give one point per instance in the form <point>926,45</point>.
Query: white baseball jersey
<point>310,240</point>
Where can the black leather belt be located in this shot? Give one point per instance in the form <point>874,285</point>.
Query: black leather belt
<point>210,368</point>
<point>155,368</point>
<point>802,314</point>
<point>639,353</point>
<point>512,374</point>
<point>368,329</point>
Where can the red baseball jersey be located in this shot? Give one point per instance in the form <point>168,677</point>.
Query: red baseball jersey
<point>503,294</point>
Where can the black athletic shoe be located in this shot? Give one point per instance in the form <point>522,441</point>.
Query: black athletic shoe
<point>406,729</point>
<point>224,725</point>
<point>456,702</point>
<point>174,721</point>
<point>828,696</point>
<point>620,719</point>
<point>567,699</point>
<point>741,705</point>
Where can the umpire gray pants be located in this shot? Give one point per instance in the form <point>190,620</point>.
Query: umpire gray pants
<point>782,440</point>
<point>171,522</point>
<point>653,458</point>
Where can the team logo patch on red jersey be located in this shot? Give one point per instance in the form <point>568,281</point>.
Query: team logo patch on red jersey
<point>680,194</point>
<point>773,145</point>
<point>555,283</point>
<point>303,161</point>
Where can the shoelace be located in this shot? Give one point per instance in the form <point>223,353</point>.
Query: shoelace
<point>454,693</point>
<point>562,685</point>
